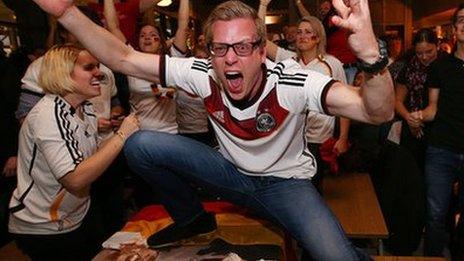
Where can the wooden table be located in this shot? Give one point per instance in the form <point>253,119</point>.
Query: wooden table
<point>353,200</point>
<point>408,258</point>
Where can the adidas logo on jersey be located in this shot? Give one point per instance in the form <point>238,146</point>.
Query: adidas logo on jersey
<point>219,115</point>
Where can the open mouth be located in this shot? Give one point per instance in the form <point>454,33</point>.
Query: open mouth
<point>235,80</point>
<point>95,83</point>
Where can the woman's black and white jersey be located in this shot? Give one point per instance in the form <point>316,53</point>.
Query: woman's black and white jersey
<point>53,140</point>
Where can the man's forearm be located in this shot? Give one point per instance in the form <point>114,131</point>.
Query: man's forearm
<point>101,43</point>
<point>378,96</point>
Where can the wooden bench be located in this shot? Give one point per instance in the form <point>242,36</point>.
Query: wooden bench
<point>353,200</point>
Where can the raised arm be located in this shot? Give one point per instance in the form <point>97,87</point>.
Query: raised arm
<point>271,48</point>
<point>301,8</point>
<point>180,38</point>
<point>102,44</point>
<point>144,5</point>
<point>112,21</point>
<point>374,102</point>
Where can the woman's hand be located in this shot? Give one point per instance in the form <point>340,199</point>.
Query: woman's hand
<point>129,125</point>
<point>341,146</point>
<point>414,119</point>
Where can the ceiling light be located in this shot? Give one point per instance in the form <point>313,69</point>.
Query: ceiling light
<point>165,3</point>
<point>272,19</point>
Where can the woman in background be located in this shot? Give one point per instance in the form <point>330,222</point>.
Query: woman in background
<point>311,55</point>
<point>154,104</point>
<point>412,94</point>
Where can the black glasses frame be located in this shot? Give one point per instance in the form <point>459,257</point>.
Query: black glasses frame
<point>235,47</point>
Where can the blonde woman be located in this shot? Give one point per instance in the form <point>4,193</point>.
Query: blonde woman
<point>310,54</point>
<point>58,160</point>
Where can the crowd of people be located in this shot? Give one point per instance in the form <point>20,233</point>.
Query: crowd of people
<point>251,117</point>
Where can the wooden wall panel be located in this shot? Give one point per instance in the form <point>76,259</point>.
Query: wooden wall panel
<point>424,8</point>
<point>394,12</point>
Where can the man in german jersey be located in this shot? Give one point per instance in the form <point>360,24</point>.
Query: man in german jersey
<point>257,109</point>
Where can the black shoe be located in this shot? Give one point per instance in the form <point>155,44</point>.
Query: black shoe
<point>203,224</point>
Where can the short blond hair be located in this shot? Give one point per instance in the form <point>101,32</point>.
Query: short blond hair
<point>318,28</point>
<point>56,69</point>
<point>232,10</point>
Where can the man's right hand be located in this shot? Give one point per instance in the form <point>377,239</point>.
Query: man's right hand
<point>54,7</point>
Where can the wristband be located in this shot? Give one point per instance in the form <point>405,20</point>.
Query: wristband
<point>121,135</point>
<point>378,65</point>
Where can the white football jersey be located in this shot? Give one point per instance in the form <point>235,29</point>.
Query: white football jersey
<point>266,138</point>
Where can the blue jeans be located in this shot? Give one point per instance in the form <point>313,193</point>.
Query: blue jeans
<point>170,162</point>
<point>442,168</point>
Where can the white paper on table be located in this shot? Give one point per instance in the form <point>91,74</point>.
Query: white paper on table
<point>121,238</point>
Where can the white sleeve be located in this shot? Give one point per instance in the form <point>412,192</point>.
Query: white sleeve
<point>190,74</point>
<point>30,80</point>
<point>316,88</point>
<point>300,90</point>
<point>283,54</point>
<point>58,145</point>
<point>175,52</point>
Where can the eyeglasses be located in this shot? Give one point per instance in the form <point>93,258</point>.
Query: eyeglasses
<point>241,49</point>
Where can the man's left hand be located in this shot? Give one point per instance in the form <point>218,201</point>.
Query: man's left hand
<point>354,17</point>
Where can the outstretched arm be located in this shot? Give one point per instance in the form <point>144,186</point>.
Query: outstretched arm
<point>180,39</point>
<point>374,102</point>
<point>112,21</point>
<point>271,48</point>
<point>102,44</point>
